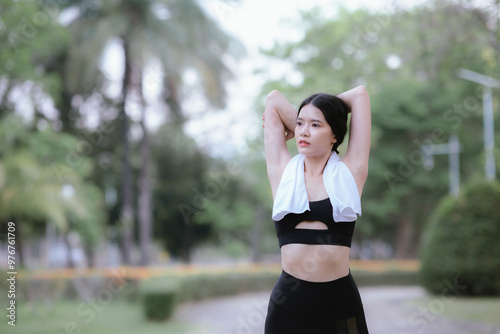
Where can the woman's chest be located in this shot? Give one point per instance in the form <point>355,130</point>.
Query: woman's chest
<point>315,188</point>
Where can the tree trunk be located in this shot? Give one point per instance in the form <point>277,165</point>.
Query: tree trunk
<point>65,110</point>
<point>144,201</point>
<point>173,101</point>
<point>256,233</point>
<point>69,259</point>
<point>185,251</point>
<point>90,254</point>
<point>126,213</point>
<point>403,236</point>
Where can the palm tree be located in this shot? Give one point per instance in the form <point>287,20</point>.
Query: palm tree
<point>178,34</point>
<point>33,193</point>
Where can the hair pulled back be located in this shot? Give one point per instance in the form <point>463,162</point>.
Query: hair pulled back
<point>335,111</point>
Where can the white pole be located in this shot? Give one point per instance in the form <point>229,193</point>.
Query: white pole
<point>488,126</point>
<point>453,150</point>
<point>489,134</point>
<point>454,158</point>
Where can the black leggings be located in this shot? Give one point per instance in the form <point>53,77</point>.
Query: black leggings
<point>302,307</point>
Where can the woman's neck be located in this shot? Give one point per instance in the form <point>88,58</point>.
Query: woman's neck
<point>315,165</point>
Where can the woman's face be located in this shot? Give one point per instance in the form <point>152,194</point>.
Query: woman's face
<point>313,134</point>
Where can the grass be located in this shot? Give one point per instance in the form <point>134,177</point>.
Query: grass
<point>474,309</point>
<point>71,317</point>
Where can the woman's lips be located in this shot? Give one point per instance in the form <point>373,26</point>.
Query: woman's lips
<point>304,143</point>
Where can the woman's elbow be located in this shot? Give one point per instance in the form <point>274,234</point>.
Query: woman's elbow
<point>274,93</point>
<point>362,91</point>
<point>274,96</point>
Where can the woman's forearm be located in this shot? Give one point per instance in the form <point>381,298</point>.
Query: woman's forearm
<point>286,112</point>
<point>358,150</point>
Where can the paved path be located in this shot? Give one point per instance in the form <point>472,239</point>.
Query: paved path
<point>385,309</point>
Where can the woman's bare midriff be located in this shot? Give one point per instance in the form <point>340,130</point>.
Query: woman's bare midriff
<point>315,263</point>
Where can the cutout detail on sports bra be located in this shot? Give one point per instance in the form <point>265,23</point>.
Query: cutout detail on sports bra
<point>311,225</point>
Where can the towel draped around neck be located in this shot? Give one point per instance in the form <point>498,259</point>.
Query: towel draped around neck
<point>339,183</point>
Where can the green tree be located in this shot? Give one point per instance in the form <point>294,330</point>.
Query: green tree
<point>179,174</point>
<point>30,36</point>
<point>32,173</point>
<point>179,35</point>
<point>33,184</point>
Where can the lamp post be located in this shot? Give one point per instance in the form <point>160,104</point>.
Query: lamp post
<point>489,130</point>
<point>452,149</point>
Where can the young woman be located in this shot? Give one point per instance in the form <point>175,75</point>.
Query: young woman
<point>316,203</point>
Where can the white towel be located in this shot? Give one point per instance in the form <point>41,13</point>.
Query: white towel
<point>339,182</point>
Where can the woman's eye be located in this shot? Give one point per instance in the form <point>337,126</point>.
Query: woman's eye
<point>299,123</point>
<point>315,125</point>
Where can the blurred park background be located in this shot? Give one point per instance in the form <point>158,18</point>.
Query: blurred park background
<point>131,150</point>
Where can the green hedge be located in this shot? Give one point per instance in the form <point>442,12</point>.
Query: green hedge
<point>162,294</point>
<point>386,278</point>
<point>462,248</point>
<point>206,286</point>
<point>35,290</point>
<point>159,298</point>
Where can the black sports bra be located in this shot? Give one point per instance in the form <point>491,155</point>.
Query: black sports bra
<point>337,233</point>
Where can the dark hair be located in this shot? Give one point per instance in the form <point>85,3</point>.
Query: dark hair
<point>335,111</point>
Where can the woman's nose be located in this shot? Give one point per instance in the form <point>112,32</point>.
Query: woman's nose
<point>304,131</point>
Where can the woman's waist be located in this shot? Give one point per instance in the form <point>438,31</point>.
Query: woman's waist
<point>315,263</point>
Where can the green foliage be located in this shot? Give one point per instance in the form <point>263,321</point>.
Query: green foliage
<point>202,199</point>
<point>159,298</point>
<point>159,305</point>
<point>204,286</point>
<point>172,36</point>
<point>462,246</point>
<point>178,191</point>
<point>31,36</point>
<point>179,42</point>
<point>33,172</point>
<point>386,278</point>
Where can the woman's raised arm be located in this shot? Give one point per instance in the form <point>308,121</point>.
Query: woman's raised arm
<point>358,149</point>
<point>279,125</point>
